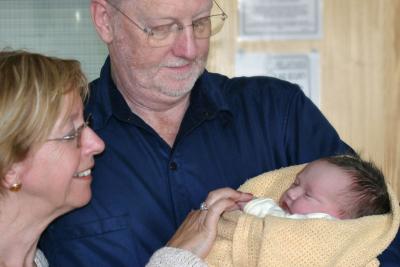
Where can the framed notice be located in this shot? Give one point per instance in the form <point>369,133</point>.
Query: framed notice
<point>280,19</point>
<point>302,69</point>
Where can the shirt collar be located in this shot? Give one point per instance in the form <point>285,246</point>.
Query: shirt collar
<point>207,99</point>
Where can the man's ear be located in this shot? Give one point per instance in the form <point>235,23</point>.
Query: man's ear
<point>101,20</point>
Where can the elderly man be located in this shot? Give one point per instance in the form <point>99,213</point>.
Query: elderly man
<point>174,131</point>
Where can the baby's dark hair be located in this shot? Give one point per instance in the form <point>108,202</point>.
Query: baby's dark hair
<point>368,192</point>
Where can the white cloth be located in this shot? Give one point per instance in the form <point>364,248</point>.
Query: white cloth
<point>40,260</point>
<point>262,207</point>
<point>175,257</point>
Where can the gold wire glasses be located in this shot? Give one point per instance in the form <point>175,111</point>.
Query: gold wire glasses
<point>75,134</point>
<point>164,35</point>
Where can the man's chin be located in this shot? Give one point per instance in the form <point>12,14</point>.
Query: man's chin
<point>176,89</point>
<point>175,93</point>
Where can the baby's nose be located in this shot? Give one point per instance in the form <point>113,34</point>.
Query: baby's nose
<point>294,193</point>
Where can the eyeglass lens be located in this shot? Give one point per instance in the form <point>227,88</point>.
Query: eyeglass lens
<point>203,28</point>
<point>165,35</point>
<point>80,129</point>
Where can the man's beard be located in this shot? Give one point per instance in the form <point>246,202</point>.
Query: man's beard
<point>189,79</point>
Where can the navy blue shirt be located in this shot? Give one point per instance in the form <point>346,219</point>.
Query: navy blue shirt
<point>143,189</point>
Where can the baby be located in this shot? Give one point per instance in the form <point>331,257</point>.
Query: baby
<point>342,187</point>
<point>345,189</point>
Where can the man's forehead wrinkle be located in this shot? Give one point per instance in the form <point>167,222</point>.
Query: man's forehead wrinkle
<point>165,8</point>
<point>158,5</point>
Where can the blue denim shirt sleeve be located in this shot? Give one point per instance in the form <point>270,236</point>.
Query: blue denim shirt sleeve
<point>143,189</point>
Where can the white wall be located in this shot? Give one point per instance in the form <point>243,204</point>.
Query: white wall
<point>60,28</point>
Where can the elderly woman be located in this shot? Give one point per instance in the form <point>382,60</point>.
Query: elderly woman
<point>46,150</point>
<point>46,157</point>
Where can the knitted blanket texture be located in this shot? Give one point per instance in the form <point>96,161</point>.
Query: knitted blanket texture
<point>246,240</point>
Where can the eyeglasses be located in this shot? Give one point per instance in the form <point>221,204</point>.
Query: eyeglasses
<point>164,35</point>
<point>76,134</point>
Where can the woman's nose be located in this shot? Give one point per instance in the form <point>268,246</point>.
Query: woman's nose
<point>91,142</point>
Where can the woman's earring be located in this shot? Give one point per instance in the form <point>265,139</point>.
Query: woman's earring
<point>15,187</point>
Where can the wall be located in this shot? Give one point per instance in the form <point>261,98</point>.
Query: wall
<point>54,27</point>
<point>360,72</point>
<point>360,65</point>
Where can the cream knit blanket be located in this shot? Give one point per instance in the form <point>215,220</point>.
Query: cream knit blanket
<point>246,240</point>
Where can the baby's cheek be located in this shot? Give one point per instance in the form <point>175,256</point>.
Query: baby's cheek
<point>300,208</point>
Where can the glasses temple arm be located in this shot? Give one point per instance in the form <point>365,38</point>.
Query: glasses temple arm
<point>223,12</point>
<point>126,16</point>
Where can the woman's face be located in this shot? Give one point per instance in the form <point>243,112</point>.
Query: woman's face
<point>57,174</point>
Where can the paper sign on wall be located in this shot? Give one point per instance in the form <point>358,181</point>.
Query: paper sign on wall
<point>302,69</point>
<point>280,19</point>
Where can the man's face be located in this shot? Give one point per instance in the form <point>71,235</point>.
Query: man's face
<point>319,187</point>
<point>170,70</point>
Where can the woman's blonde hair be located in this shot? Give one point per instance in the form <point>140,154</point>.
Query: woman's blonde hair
<point>32,91</point>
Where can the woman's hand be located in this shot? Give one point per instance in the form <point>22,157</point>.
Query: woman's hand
<point>199,230</point>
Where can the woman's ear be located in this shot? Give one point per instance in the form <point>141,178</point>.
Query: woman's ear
<point>101,20</point>
<point>12,177</point>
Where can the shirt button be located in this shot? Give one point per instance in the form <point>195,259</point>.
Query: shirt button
<point>206,114</point>
<point>173,166</point>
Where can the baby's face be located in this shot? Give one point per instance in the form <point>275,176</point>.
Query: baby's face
<point>319,187</point>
